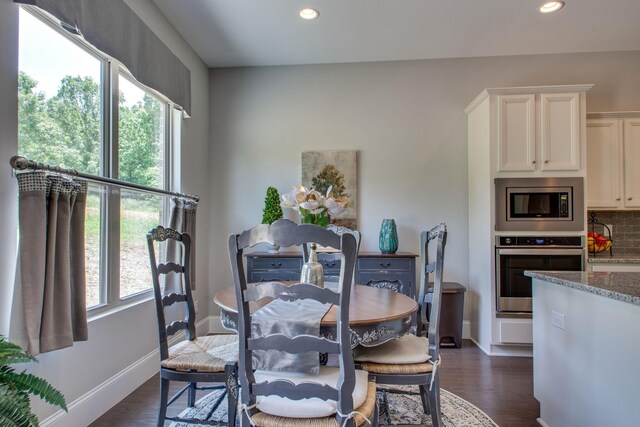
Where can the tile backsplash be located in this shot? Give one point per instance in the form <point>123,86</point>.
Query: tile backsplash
<point>626,230</point>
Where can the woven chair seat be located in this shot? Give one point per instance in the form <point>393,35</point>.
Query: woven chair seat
<point>204,354</point>
<point>389,368</point>
<point>266,420</point>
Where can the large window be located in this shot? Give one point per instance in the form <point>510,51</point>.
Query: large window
<point>67,93</point>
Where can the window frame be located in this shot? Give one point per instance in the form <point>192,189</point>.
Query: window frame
<point>109,251</point>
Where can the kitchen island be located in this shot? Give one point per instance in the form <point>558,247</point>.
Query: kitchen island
<point>586,348</point>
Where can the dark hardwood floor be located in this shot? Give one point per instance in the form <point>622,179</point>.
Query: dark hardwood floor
<point>500,386</point>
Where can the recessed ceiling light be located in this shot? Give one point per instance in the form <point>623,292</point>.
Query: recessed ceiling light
<point>551,6</point>
<point>308,13</point>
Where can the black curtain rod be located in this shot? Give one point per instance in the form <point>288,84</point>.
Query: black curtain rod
<point>22,163</point>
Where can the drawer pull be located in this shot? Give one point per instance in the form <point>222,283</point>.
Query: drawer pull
<point>330,265</point>
<point>274,265</point>
<point>385,264</point>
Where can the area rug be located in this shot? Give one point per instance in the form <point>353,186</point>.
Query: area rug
<point>403,409</point>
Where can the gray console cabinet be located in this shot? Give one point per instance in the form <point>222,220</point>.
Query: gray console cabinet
<point>395,272</point>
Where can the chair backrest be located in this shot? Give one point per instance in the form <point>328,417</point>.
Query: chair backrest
<point>162,299</point>
<point>329,259</point>
<point>286,233</point>
<point>437,235</point>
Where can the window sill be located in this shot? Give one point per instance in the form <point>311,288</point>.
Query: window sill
<point>101,311</point>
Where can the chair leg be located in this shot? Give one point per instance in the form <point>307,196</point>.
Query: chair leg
<point>424,396</point>
<point>164,398</point>
<point>232,394</point>
<point>434,403</point>
<point>191,395</point>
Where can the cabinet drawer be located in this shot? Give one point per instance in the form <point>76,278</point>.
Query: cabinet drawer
<point>385,264</point>
<point>402,283</point>
<point>276,276</point>
<point>268,263</point>
<point>329,263</point>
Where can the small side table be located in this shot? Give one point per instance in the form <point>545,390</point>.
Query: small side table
<point>451,312</point>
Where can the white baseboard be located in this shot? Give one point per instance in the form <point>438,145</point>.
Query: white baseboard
<point>542,423</point>
<point>466,329</point>
<point>91,405</point>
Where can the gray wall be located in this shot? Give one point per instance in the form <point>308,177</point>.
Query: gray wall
<point>407,121</point>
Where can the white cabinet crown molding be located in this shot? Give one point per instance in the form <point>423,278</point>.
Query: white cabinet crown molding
<point>614,114</point>
<point>525,89</point>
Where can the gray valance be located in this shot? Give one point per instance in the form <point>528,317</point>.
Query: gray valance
<point>113,28</point>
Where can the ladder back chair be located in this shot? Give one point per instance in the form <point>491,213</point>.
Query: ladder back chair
<point>414,359</point>
<point>338,396</point>
<point>208,359</point>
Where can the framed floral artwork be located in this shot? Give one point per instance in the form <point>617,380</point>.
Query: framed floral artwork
<point>338,170</point>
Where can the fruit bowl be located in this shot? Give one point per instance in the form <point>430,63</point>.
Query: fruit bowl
<point>598,243</point>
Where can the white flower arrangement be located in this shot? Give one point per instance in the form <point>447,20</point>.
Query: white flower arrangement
<point>313,207</point>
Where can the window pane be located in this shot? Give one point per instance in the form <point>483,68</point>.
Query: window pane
<point>139,213</point>
<point>141,130</point>
<point>93,244</point>
<point>59,99</point>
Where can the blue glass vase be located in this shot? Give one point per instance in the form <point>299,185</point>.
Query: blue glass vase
<point>388,237</point>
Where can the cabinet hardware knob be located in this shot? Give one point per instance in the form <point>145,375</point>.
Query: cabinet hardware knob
<point>534,162</point>
<point>385,264</point>
<point>618,199</point>
<point>546,161</point>
<point>273,264</point>
<point>630,198</point>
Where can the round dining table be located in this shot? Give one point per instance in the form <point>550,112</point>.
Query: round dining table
<point>375,315</point>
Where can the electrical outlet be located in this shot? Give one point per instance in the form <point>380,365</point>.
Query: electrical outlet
<point>610,230</point>
<point>557,320</point>
<point>195,306</point>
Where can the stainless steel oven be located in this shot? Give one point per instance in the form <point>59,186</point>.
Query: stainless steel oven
<point>539,204</point>
<point>514,255</point>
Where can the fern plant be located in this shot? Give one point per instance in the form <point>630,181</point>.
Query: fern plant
<point>15,388</point>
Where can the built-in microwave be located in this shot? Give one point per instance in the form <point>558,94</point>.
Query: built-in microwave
<point>539,204</point>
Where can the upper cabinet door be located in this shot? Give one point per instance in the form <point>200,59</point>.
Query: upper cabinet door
<point>560,131</point>
<point>603,163</point>
<point>632,163</point>
<point>516,132</point>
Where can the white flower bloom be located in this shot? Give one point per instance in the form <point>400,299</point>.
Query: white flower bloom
<point>294,197</point>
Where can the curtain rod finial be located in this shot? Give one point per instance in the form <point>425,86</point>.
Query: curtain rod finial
<point>19,162</point>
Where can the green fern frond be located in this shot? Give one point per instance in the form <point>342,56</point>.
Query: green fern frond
<point>15,408</point>
<point>10,352</point>
<point>41,388</point>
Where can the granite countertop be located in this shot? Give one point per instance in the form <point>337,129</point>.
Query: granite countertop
<point>621,286</point>
<point>605,258</point>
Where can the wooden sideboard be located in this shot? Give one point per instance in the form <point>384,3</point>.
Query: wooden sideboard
<point>396,272</point>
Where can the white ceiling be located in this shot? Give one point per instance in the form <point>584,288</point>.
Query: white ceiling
<point>228,33</point>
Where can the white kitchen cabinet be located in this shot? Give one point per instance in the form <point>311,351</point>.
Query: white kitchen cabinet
<point>538,131</point>
<point>631,137</point>
<point>613,156</point>
<point>604,161</point>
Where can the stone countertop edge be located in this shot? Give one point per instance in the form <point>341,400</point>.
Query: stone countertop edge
<point>619,286</point>
<point>614,259</point>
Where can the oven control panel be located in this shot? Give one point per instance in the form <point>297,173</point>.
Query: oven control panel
<point>574,241</point>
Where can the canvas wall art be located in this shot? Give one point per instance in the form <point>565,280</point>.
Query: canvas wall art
<point>321,169</point>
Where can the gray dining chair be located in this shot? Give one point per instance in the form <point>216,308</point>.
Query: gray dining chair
<point>206,359</point>
<point>414,359</point>
<point>339,395</point>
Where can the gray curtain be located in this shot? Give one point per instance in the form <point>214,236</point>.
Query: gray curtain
<point>113,28</point>
<point>52,262</point>
<point>182,219</point>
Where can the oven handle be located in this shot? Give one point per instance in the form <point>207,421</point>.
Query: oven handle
<point>540,251</point>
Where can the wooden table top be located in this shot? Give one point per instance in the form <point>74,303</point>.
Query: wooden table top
<point>368,306</point>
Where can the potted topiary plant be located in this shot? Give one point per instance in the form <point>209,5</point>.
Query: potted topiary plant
<point>272,211</point>
<point>15,388</point>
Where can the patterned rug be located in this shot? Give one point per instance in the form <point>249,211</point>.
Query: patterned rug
<point>403,409</point>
